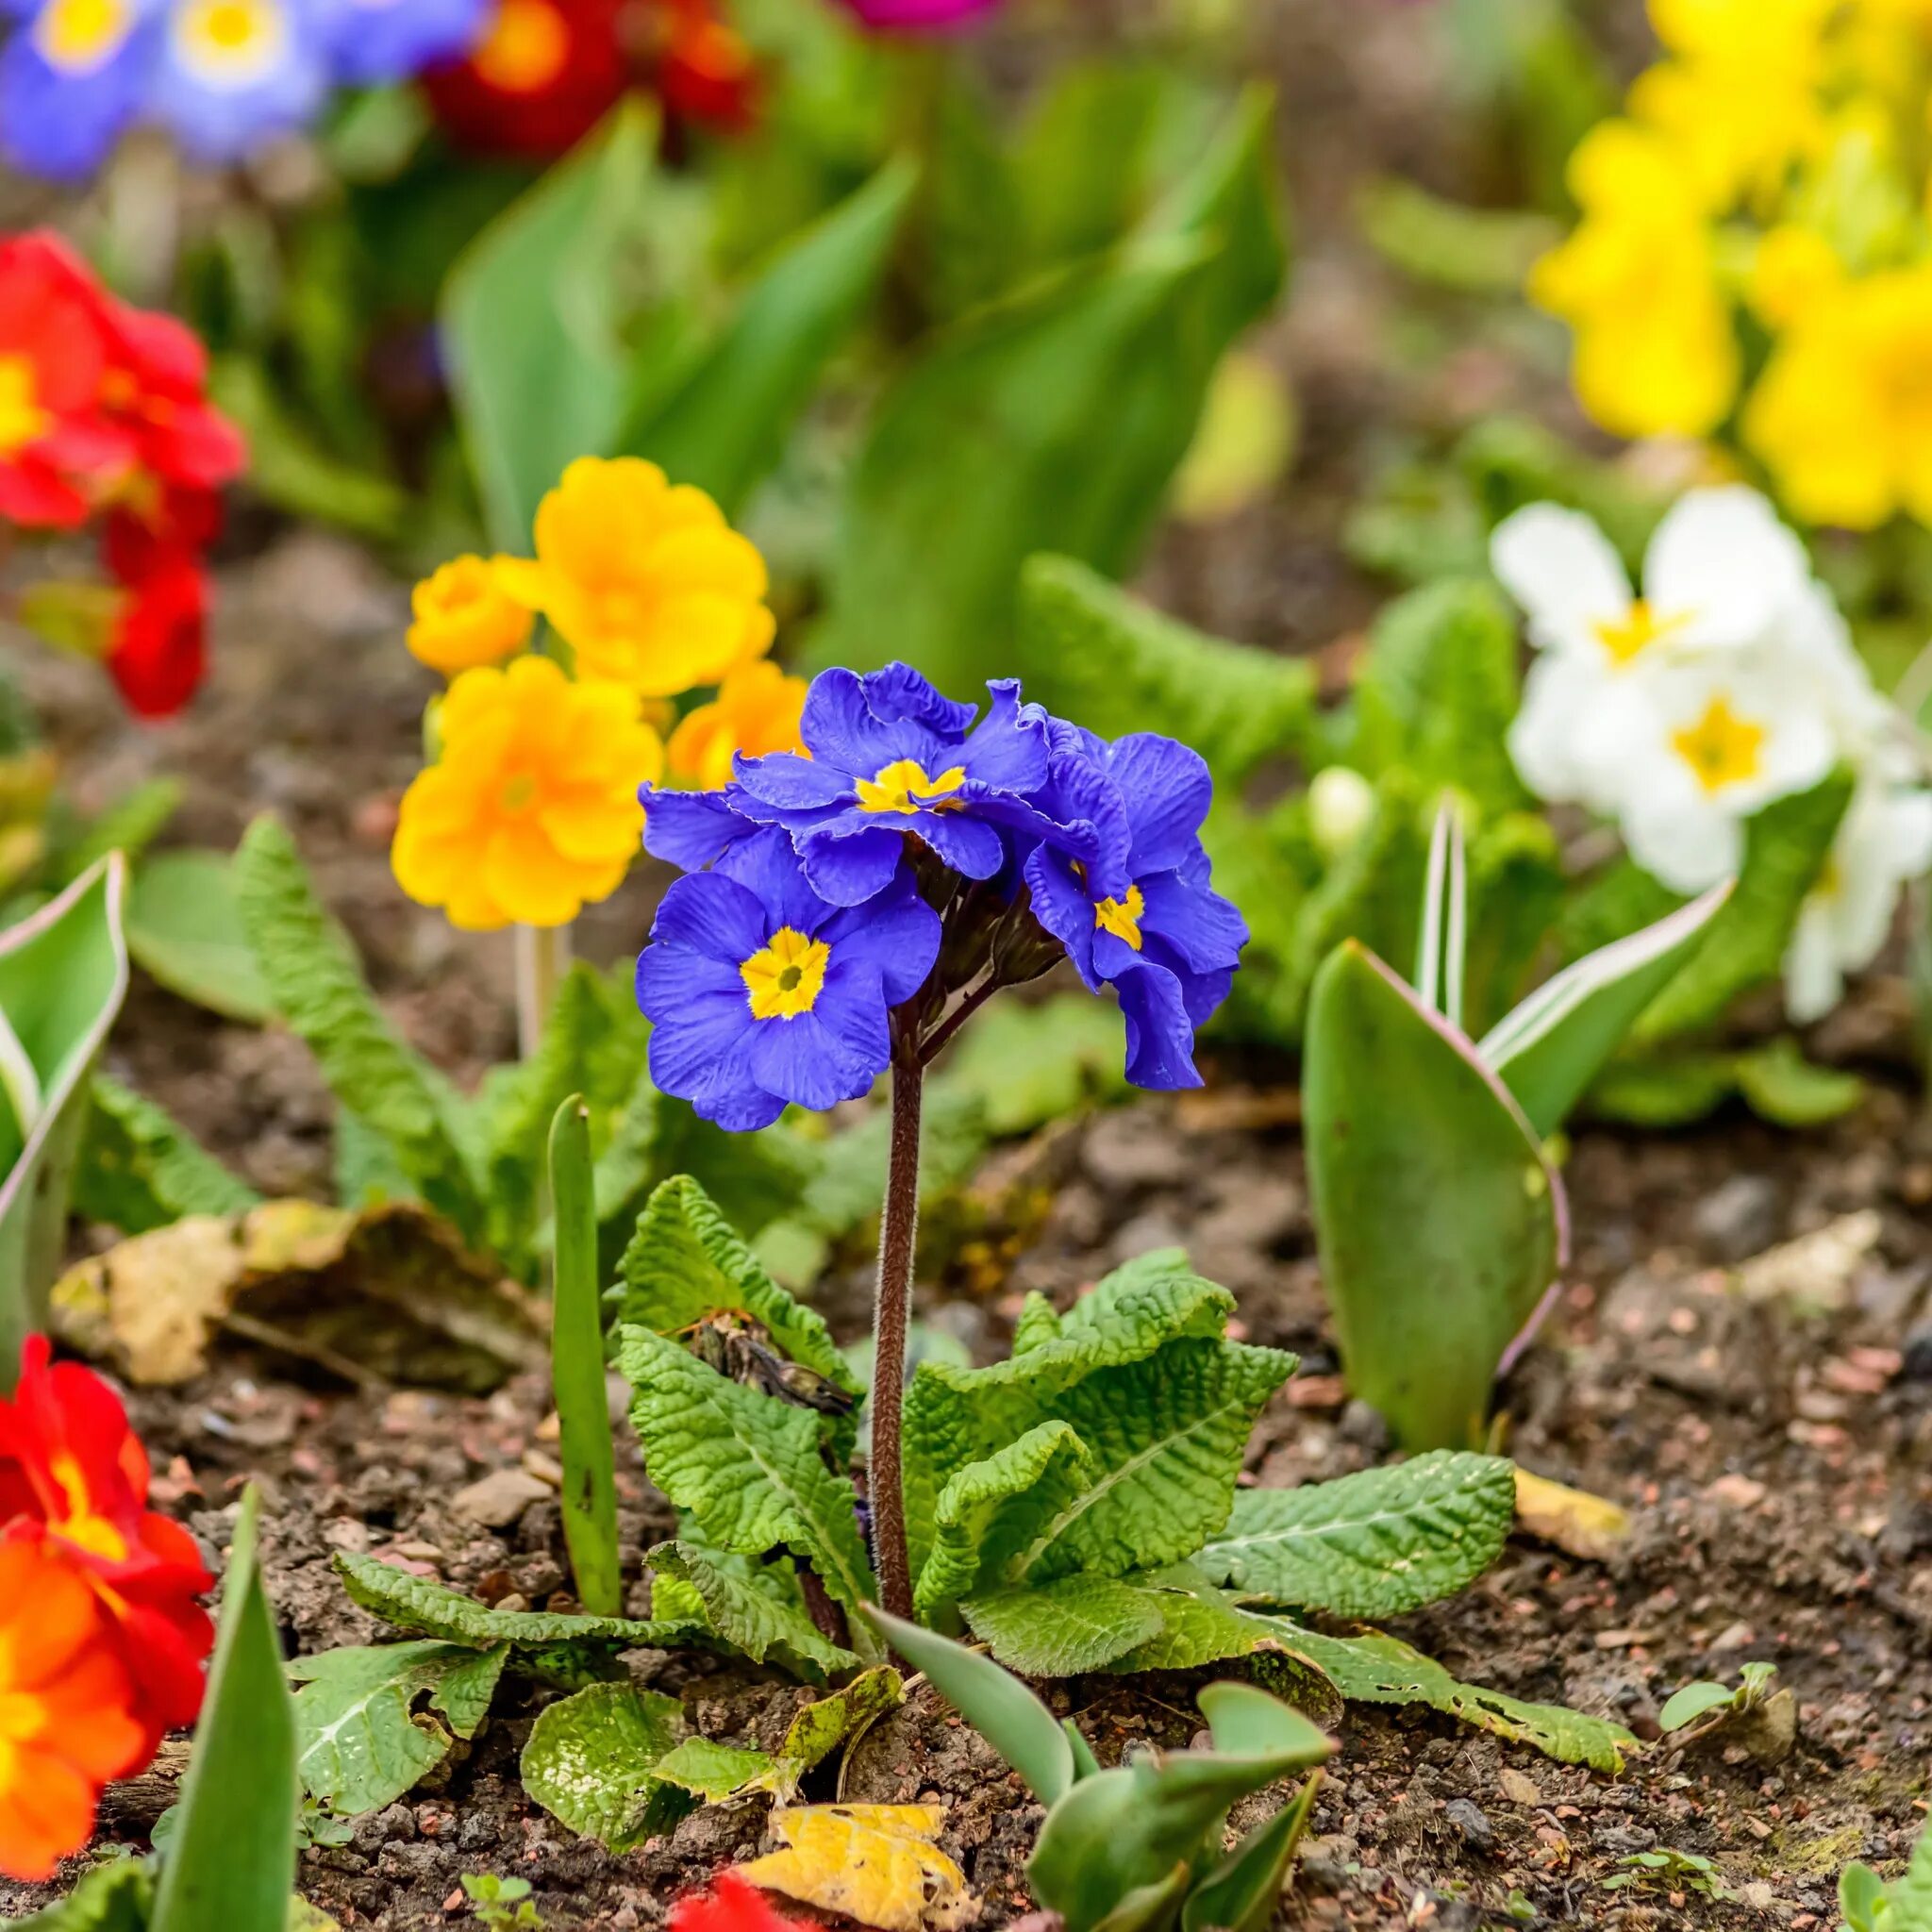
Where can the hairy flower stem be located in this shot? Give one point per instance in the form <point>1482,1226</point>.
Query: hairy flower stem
<point>543,958</point>
<point>898,1238</point>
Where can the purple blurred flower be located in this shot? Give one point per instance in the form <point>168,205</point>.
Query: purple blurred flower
<point>918,16</point>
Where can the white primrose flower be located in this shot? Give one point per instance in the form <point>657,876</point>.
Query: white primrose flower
<point>1720,575</point>
<point>1884,841</point>
<point>1728,736</point>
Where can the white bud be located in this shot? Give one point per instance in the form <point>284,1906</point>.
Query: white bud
<point>1341,804</point>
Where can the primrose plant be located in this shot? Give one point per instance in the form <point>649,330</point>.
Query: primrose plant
<point>1439,1216</point>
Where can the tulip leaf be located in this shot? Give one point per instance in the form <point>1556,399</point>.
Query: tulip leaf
<point>1444,943</point>
<point>592,1758</point>
<point>1241,1893</point>
<point>1062,409</point>
<point>185,929</point>
<point>140,1169</point>
<point>1438,1217</point>
<point>231,1861</point>
<point>64,975</point>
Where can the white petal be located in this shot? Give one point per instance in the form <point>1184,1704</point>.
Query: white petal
<point>1562,570</point>
<point>1546,736</point>
<point>1721,560</point>
<point>1814,982</point>
<point>1680,837</point>
<point>1908,832</point>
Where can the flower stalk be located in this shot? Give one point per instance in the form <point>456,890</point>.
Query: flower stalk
<point>543,958</point>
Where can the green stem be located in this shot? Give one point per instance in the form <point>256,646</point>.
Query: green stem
<point>543,958</point>
<point>577,1370</point>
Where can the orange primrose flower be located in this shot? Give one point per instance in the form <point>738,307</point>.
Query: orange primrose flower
<point>756,709</point>
<point>464,618</point>
<point>67,1721</point>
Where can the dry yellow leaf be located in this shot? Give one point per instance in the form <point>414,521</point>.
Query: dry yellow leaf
<point>1589,1526</point>
<point>876,1864</point>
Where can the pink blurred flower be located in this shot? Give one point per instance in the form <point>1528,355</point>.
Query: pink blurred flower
<point>918,16</point>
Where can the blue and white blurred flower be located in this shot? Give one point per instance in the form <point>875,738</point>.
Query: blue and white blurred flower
<point>375,41</point>
<point>234,73</point>
<point>1719,576</point>
<point>73,75</point>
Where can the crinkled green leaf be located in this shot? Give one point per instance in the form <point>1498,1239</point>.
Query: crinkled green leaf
<point>1062,1628</point>
<point>592,1758</point>
<point>1676,1085</point>
<point>766,1625</point>
<point>140,1169</point>
<point>365,1171</point>
<point>1375,1544</point>
<point>185,929</point>
<point>686,1262</point>
<point>1196,1625</point>
<point>745,1465</point>
<point>1090,652</point>
<point>360,1742</point>
<point>316,979</point>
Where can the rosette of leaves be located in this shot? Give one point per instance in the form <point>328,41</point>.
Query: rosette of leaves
<point>1075,1506</point>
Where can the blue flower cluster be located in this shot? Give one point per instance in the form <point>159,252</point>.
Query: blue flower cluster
<point>919,857</point>
<point>223,76</point>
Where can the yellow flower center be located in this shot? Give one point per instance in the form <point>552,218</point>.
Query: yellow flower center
<point>518,794</point>
<point>231,41</point>
<point>526,49</point>
<point>22,418</point>
<point>83,1526</point>
<point>1121,917</point>
<point>1630,637</point>
<point>75,35</point>
<point>786,976</point>
<point>1720,748</point>
<point>904,787</point>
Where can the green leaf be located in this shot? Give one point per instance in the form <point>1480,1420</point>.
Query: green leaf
<point>1676,1085</point>
<point>723,427</point>
<point>64,975</point>
<point>129,824</point>
<point>1243,1891</point>
<point>994,1702</point>
<point>1781,1086</point>
<point>1090,652</point>
<point>184,928</point>
<point>823,1725</point>
<point>1910,1897</point>
<point>1786,847</point>
<point>140,1169</point>
<point>1376,1544</point>
<point>114,1897</point>
<point>686,1262</point>
<point>1437,1214</point>
<point>713,1772</point>
<point>533,326</point>
<point>1693,1702</point>
<point>1198,1624</point>
<point>317,984</point>
<point>1063,412</point>
<point>1549,1049</point>
<point>765,1624</point>
<point>1027,1064</point>
<point>361,1743</point>
<point>232,1860</point>
<point>591,1761</point>
<point>746,1466</point>
<point>365,1171</point>
<point>1061,1629</point>
<point>433,1609</point>
<point>1444,948</point>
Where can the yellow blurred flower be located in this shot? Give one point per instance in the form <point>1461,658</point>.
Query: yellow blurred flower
<point>464,617</point>
<point>1843,415</point>
<point>1794,269</point>
<point>644,580</point>
<point>1636,282</point>
<point>531,811</point>
<point>757,710</point>
<point>1740,122</point>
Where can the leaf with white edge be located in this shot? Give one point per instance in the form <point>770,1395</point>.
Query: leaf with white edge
<point>990,1511</point>
<point>714,1771</point>
<point>1375,1668</point>
<point>1444,948</point>
<point>141,1169</point>
<point>1562,1035</point>
<point>876,1864</point>
<point>313,971</point>
<point>957,1416</point>
<point>592,1761</point>
<point>1166,1437</point>
<point>433,1609</point>
<point>686,1262</point>
<point>764,1627</point>
<point>1064,1628</point>
<point>1375,1544</point>
<point>746,1466</point>
<point>359,1741</point>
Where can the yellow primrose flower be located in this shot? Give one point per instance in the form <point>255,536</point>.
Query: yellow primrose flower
<point>531,811</point>
<point>757,710</point>
<point>1794,270</point>
<point>464,617</point>
<point>1636,282</point>
<point>1740,123</point>
<point>644,580</point>
<point>1843,415</point>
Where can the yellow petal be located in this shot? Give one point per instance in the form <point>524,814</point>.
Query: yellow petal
<point>588,825</point>
<point>529,879</point>
<point>876,1864</point>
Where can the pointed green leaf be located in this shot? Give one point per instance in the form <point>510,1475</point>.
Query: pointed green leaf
<point>1446,920</point>
<point>765,1625</point>
<point>714,1771</point>
<point>232,1860</point>
<point>1438,1218</point>
<point>994,1702</point>
<point>114,1897</point>
<point>591,1761</point>
<point>64,975</point>
<point>1243,1891</point>
<point>1376,1544</point>
<point>1693,1702</point>
<point>1064,1628</point>
<point>140,1169</point>
<point>184,928</point>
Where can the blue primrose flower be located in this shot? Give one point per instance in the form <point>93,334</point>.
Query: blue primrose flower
<point>890,756</point>
<point>375,41</point>
<point>761,994</point>
<point>71,76</point>
<point>1140,916</point>
<point>234,73</point>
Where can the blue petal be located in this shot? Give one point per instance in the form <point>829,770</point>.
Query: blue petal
<point>372,40</point>
<point>1008,747</point>
<point>1168,789</point>
<point>898,933</point>
<point>222,116</point>
<point>852,1007</point>
<point>847,731</point>
<point>1207,930</point>
<point>1160,1038</point>
<point>1085,802</point>
<point>689,829</point>
<point>767,867</point>
<point>898,694</point>
<point>698,1020</point>
<point>967,844</point>
<point>62,124</point>
<point>713,916</point>
<point>1061,906</point>
<point>849,860</point>
<point>791,783</point>
<point>806,1063</point>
